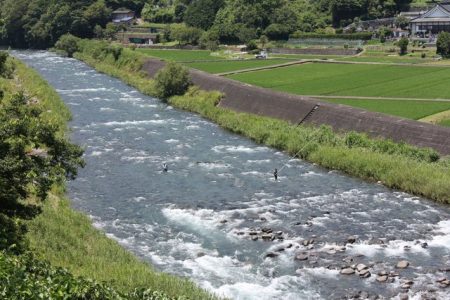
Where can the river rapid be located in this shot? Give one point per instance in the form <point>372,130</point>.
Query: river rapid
<point>218,216</point>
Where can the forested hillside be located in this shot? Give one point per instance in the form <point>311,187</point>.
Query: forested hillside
<point>39,23</point>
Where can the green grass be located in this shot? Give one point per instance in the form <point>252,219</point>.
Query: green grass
<point>403,108</point>
<point>398,166</point>
<point>354,80</point>
<point>66,238</point>
<point>445,123</point>
<point>228,66</point>
<point>180,55</point>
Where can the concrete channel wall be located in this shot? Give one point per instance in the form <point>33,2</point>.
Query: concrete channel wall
<point>297,110</point>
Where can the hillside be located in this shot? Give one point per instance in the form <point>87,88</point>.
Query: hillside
<point>39,24</point>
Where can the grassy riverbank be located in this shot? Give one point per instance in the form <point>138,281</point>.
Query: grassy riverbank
<point>400,166</point>
<point>66,238</point>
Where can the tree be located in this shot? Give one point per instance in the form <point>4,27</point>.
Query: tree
<point>34,156</point>
<point>201,13</point>
<point>67,43</point>
<point>173,79</point>
<point>6,68</point>
<point>443,44</point>
<point>402,22</point>
<point>263,40</point>
<point>403,45</point>
<point>185,35</point>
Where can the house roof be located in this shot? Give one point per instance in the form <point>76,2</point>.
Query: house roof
<point>122,11</point>
<point>439,13</point>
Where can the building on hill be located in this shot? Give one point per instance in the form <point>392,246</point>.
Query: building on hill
<point>433,21</point>
<point>123,16</point>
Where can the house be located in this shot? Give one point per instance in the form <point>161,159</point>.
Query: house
<point>123,16</point>
<point>433,21</point>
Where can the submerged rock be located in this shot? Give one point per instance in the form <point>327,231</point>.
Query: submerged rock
<point>271,255</point>
<point>351,239</point>
<point>382,278</point>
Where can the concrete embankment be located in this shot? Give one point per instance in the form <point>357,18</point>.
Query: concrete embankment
<point>297,110</point>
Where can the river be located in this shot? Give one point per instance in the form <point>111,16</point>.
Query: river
<point>203,218</point>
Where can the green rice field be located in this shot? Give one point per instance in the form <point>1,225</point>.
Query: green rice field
<point>403,108</point>
<point>228,65</point>
<point>355,80</point>
<point>445,123</point>
<point>181,55</point>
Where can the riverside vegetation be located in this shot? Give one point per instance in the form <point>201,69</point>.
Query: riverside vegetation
<point>400,166</point>
<point>37,222</point>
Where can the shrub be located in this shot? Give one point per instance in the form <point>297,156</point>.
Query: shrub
<point>6,68</point>
<point>403,45</point>
<point>251,45</point>
<point>365,36</point>
<point>172,80</point>
<point>443,44</point>
<point>67,43</point>
<point>423,55</point>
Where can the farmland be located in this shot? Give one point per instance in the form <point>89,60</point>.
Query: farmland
<point>228,66</point>
<point>355,80</point>
<point>181,55</point>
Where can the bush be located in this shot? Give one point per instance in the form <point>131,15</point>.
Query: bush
<point>67,43</point>
<point>251,45</point>
<point>403,45</point>
<point>6,68</point>
<point>172,80</point>
<point>443,44</point>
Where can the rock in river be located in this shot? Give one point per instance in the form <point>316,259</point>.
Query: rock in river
<point>347,271</point>
<point>301,256</point>
<point>403,264</point>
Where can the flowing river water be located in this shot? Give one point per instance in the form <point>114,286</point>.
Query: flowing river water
<point>203,218</point>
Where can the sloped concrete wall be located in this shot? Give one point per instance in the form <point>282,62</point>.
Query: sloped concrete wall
<point>297,109</point>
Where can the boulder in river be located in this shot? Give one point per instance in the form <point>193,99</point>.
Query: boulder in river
<point>347,271</point>
<point>351,239</point>
<point>382,278</point>
<point>301,256</point>
<point>403,264</point>
<point>361,267</point>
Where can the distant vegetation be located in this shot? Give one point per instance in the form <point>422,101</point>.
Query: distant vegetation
<point>39,24</point>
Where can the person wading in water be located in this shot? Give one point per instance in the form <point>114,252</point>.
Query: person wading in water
<point>275,174</point>
<point>165,167</point>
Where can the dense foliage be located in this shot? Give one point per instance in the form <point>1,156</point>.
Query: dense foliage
<point>24,277</point>
<point>34,155</point>
<point>40,23</point>
<point>443,44</point>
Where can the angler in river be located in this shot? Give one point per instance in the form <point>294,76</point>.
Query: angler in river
<point>219,223</point>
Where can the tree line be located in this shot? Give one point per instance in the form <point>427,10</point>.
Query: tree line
<point>40,23</point>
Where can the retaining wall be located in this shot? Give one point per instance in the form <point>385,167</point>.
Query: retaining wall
<point>297,109</point>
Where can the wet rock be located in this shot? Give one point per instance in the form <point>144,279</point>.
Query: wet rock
<point>382,278</point>
<point>382,273</point>
<point>263,219</point>
<point>289,246</point>
<point>340,248</point>
<point>444,269</point>
<point>364,295</point>
<point>364,273</point>
<point>348,259</point>
<point>406,285</point>
<point>351,239</point>
<point>240,233</point>
<point>201,254</point>
<point>298,223</point>
<point>439,280</point>
<point>331,251</point>
<point>301,256</point>
<point>393,274</point>
<point>374,241</point>
<point>252,233</point>
<point>347,271</point>
<point>310,247</point>
<point>403,264</point>
<point>223,221</point>
<point>271,255</point>
<point>279,233</point>
<point>266,230</point>
<point>424,245</point>
<point>445,283</point>
<point>266,237</point>
<point>403,296</point>
<point>254,238</point>
<point>361,267</point>
<point>305,243</point>
<point>407,248</point>
<point>280,250</point>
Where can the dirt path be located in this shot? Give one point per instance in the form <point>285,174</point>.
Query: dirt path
<point>297,62</point>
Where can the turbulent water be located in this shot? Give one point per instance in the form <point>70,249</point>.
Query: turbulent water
<point>196,219</point>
